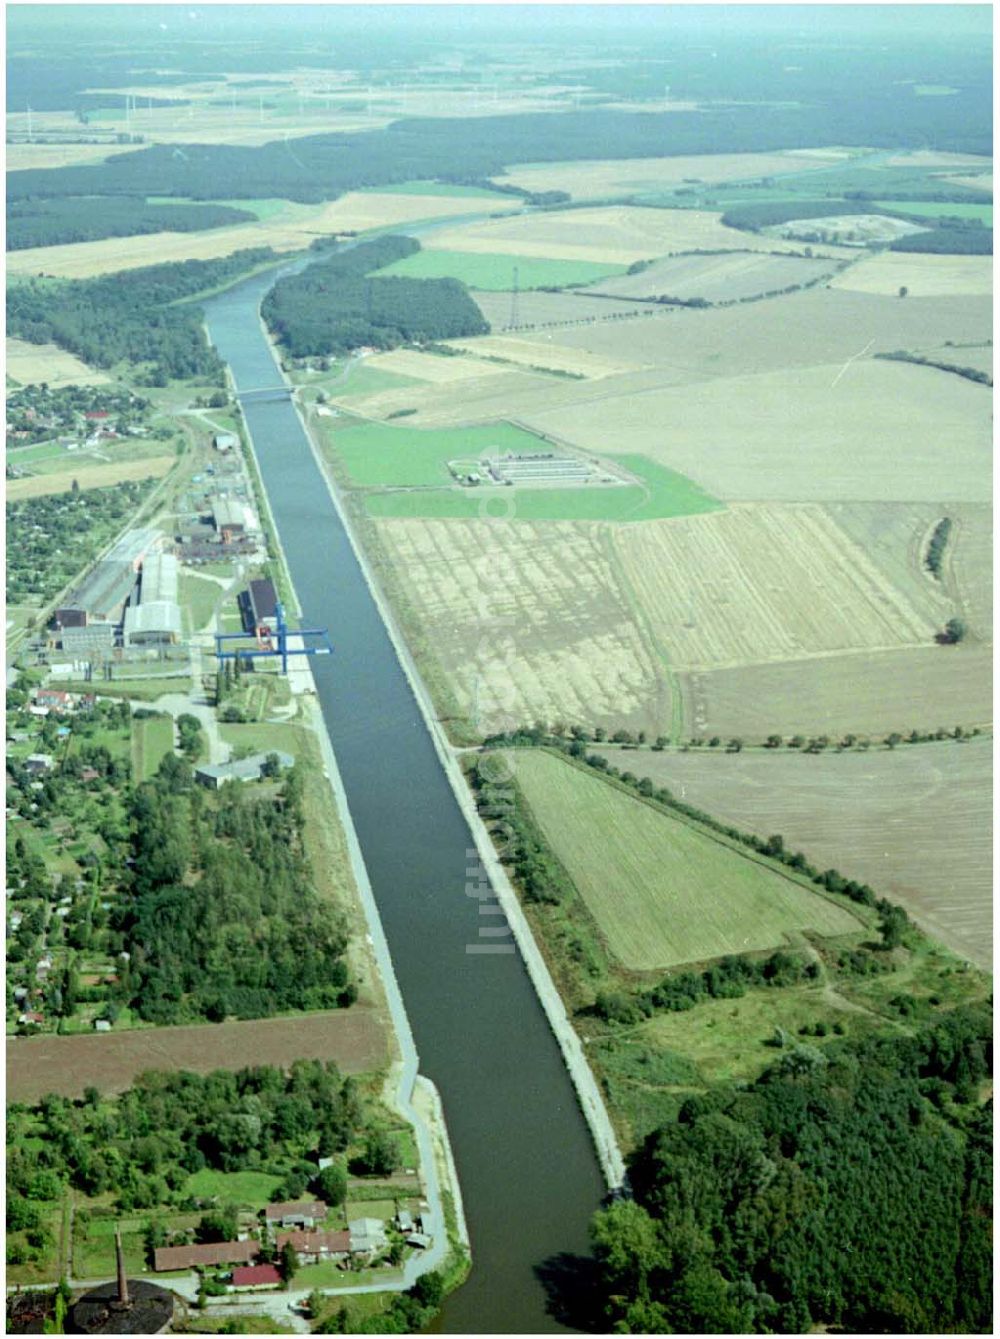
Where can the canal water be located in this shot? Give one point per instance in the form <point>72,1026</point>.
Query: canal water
<point>527,1168</point>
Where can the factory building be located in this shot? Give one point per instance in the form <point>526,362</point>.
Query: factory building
<point>155,619</point>
<point>259,605</point>
<point>229,518</point>
<point>101,597</point>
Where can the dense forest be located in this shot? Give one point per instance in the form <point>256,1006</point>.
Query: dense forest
<point>849,1187</point>
<point>948,240</point>
<point>332,307</point>
<point>223,918</point>
<point>324,166</point>
<point>87,218</point>
<point>130,316</point>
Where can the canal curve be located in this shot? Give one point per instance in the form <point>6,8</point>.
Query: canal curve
<point>529,1175</point>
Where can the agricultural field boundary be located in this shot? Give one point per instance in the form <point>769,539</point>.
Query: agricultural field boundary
<point>588,1093</point>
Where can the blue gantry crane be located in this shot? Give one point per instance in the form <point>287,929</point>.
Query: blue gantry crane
<point>270,644</point>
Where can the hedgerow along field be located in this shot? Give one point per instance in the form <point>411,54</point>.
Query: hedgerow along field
<point>663,891</point>
<point>934,798</point>
<point>496,272</point>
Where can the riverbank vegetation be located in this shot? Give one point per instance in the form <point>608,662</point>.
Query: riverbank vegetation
<point>134,317</point>
<point>654,1036</point>
<point>335,306</point>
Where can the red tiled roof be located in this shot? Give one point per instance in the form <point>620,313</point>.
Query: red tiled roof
<point>212,1253</point>
<point>254,1275</point>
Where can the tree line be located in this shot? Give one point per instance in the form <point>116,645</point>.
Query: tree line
<point>89,218</point>
<point>335,306</point>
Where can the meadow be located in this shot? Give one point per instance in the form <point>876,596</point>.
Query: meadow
<point>496,273</point>
<point>663,891</point>
<point>379,455</point>
<point>662,492</point>
<point>152,740</point>
<point>933,802</point>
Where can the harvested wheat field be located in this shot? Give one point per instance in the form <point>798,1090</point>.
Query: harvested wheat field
<point>430,367</point>
<point>868,693</point>
<point>490,392</point>
<point>544,355</point>
<point>522,622</point>
<point>922,275</point>
<point>88,476</point>
<point>983,182</point>
<point>800,330</point>
<point>916,823</point>
<point>354,1038</point>
<point>614,235</point>
<point>723,278</point>
<point>622,176</point>
<point>663,892</point>
<point>896,536</point>
<point>938,158</point>
<point>32,363</point>
<point>21,157</point>
<point>762,583</point>
<point>292,229</point>
<point>865,430</point>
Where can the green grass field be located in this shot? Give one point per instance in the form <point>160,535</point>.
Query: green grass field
<point>665,493</point>
<point>364,380</point>
<point>495,272</point>
<point>663,892</point>
<point>199,597</point>
<point>152,739</point>
<point>935,209</point>
<point>378,455</point>
<point>437,188</point>
<point>251,1189</point>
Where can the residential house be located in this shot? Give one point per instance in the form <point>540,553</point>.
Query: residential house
<point>251,1278</point>
<point>244,769</point>
<point>166,1258</point>
<point>312,1247</point>
<point>295,1213</point>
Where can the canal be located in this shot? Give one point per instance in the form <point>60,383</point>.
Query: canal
<point>529,1176</point>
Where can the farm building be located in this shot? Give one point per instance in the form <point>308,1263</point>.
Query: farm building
<point>166,1258</point>
<point>294,1213</point>
<point>225,441</point>
<point>259,605</point>
<point>249,1278</point>
<point>367,1236</point>
<point>244,769</point>
<point>312,1247</point>
<point>38,762</point>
